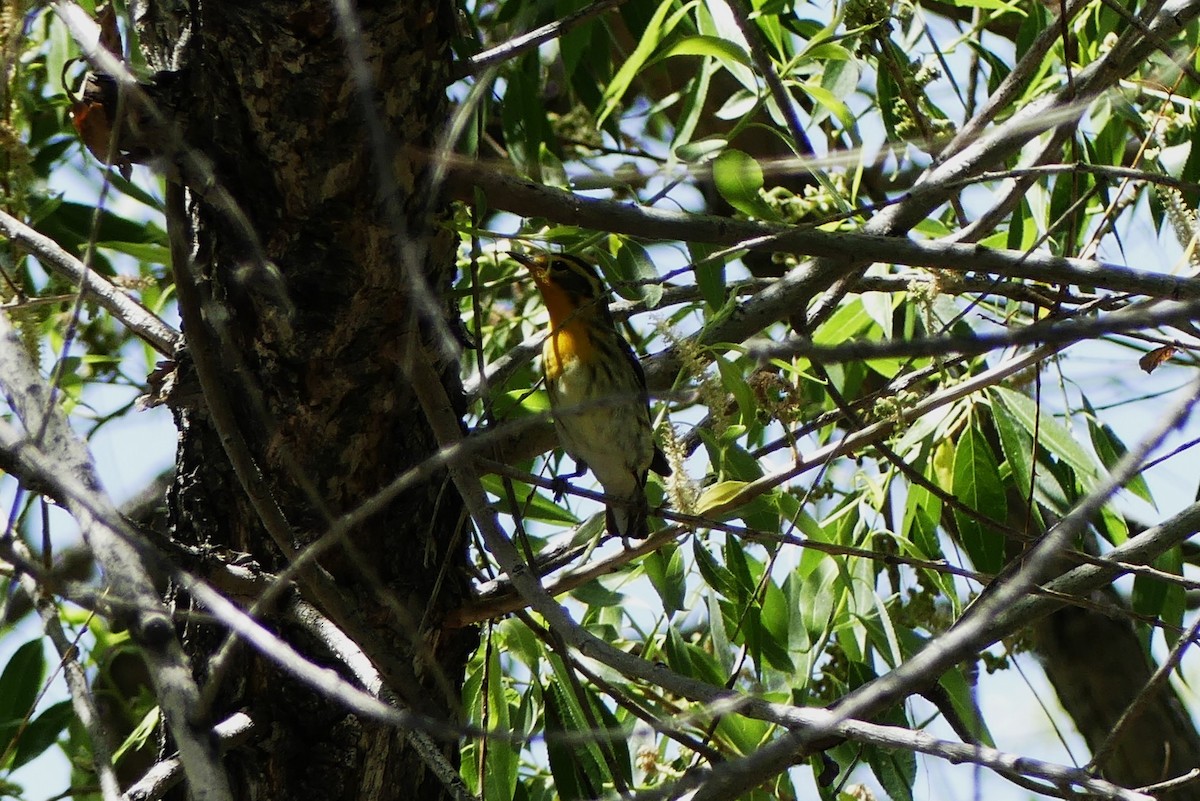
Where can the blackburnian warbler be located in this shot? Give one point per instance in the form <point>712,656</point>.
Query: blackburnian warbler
<point>597,389</point>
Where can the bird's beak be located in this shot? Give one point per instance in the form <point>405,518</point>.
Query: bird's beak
<point>532,263</point>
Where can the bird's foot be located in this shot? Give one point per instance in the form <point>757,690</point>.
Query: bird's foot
<point>559,486</point>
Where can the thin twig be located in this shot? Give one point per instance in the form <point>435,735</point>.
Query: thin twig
<point>82,701</point>
<point>62,462</point>
<point>137,318</point>
<point>1050,332</point>
<point>527,41</point>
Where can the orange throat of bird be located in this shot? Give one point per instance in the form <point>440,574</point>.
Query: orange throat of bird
<point>568,339</point>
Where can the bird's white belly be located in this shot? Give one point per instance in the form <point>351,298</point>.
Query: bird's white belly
<point>613,439</point>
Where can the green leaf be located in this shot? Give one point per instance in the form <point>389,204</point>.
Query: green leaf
<point>522,403</point>
<point>746,734</point>
<point>1110,449</point>
<point>41,733</point>
<point>20,684</point>
<point>1049,433</point>
<point>710,274</point>
<point>739,104</point>
<point>693,107</point>
<point>734,382</point>
<point>664,568</point>
<point>142,251</point>
<point>656,29</point>
<point>896,768</point>
<point>515,637</point>
<point>1113,525</point>
<point>141,733</point>
<point>638,279</point>
<point>992,5</point>
<point>594,593</point>
<point>691,660</point>
<point>530,502</point>
<point>700,150</point>
<point>731,459</point>
<point>977,484</point>
<point>1017,448</point>
<point>739,567</point>
<point>552,170</point>
<point>819,594</point>
<point>676,652</point>
<point>716,497</point>
<point>134,191</point>
<point>850,320</point>
<point>713,572</point>
<point>501,759</point>
<point>713,46</point>
<point>1160,599</point>
<point>776,625</point>
<point>619,745</point>
<point>962,698</point>
<point>828,102</point>
<point>578,768</point>
<point>70,225</point>
<point>708,26</point>
<point>738,178</point>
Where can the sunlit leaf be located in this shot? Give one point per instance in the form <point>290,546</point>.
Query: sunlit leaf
<point>718,497</point>
<point>664,567</point>
<point>658,27</point>
<point>977,485</point>
<point>1049,432</point>
<point>738,178</point>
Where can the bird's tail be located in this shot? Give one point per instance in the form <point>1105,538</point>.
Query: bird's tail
<point>628,520</point>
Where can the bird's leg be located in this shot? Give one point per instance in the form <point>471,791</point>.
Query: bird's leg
<point>559,483</point>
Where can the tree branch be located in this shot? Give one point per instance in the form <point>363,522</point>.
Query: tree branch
<point>61,462</point>
<point>82,701</point>
<point>137,318</point>
<point>535,38</point>
<point>1057,332</point>
<point>229,733</point>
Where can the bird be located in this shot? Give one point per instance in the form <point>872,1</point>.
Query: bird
<point>597,389</point>
<point>92,114</point>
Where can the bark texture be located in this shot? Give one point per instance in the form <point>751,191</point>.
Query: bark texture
<point>1098,668</point>
<point>310,308</point>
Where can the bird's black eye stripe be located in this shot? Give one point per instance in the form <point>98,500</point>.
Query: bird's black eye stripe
<point>576,278</point>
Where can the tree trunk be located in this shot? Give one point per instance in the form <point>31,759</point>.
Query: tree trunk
<point>306,306</point>
<point>1098,669</point>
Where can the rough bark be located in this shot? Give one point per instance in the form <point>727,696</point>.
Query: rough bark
<point>1098,668</point>
<point>310,306</point>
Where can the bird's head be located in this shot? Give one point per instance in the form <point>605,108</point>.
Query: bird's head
<point>569,285</point>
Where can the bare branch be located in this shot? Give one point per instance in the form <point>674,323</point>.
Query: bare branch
<point>62,462</point>
<point>1059,332</point>
<point>527,41</point>
<point>82,701</point>
<point>523,197</point>
<point>136,317</point>
<point>229,733</point>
